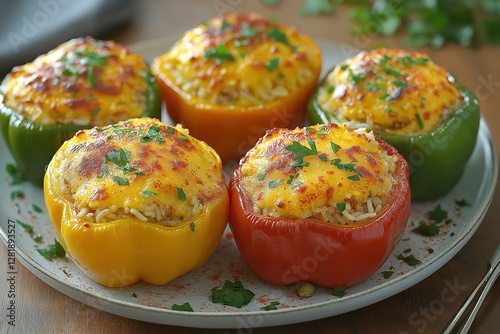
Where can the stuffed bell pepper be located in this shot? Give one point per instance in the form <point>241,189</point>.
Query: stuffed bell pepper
<point>136,200</point>
<point>81,83</point>
<point>410,102</point>
<point>235,76</point>
<point>323,204</point>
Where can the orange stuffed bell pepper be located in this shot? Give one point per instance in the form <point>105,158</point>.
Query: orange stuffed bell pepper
<point>138,200</point>
<point>235,76</point>
<point>322,204</point>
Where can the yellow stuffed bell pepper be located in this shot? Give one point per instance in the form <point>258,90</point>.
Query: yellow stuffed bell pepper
<point>138,200</point>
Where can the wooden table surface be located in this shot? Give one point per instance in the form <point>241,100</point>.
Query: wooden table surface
<point>42,309</point>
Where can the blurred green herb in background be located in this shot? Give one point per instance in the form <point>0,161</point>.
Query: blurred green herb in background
<point>424,22</point>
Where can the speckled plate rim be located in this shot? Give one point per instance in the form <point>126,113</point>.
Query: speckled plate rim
<point>290,315</point>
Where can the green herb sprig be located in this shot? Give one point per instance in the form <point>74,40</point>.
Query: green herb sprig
<point>16,175</point>
<point>232,294</point>
<point>220,53</point>
<point>186,307</point>
<point>432,23</point>
<point>52,251</point>
<point>91,60</point>
<point>29,229</point>
<point>437,217</point>
<point>120,158</point>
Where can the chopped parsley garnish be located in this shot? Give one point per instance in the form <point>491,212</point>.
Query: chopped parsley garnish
<point>184,307</point>
<point>426,229</point>
<point>220,54</point>
<point>375,86</point>
<point>247,32</point>
<point>262,176</point>
<point>390,111</point>
<point>398,83</point>
<point>279,36</point>
<point>292,178</point>
<point>29,229</point>
<point>410,260</point>
<point>335,147</point>
<point>330,89</point>
<point>147,193</point>
<point>52,251</point>
<point>95,112</point>
<point>419,121</point>
<point>271,306</point>
<point>354,177</point>
<point>90,59</point>
<point>339,292</point>
<point>192,226</point>
<point>461,203</point>
<point>438,215</point>
<point>301,152</point>
<point>231,294</point>
<point>134,295</point>
<point>180,194</point>
<point>350,167</point>
<point>391,71</point>
<point>120,158</point>
<point>430,250</point>
<point>385,58</point>
<point>15,174</point>
<point>274,183</point>
<point>122,181</point>
<point>356,78</point>
<point>37,209</point>
<point>16,194</point>
<point>183,137</point>
<point>387,274</point>
<point>25,226</point>
<point>273,64</point>
<point>407,60</point>
<point>119,130</point>
<point>225,25</point>
<point>341,206</point>
<point>153,133</point>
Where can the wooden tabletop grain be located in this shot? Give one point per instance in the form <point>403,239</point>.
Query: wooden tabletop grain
<point>422,308</point>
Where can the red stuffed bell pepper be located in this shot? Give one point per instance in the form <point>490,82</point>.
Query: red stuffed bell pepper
<point>322,204</point>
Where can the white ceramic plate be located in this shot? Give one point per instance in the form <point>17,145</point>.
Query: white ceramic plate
<point>153,303</point>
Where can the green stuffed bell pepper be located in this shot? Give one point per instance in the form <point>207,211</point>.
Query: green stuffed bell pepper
<point>81,83</point>
<point>409,102</point>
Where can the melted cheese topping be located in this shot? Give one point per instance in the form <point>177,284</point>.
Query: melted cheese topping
<point>83,82</point>
<point>134,168</point>
<point>300,173</point>
<point>393,91</point>
<point>241,60</point>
